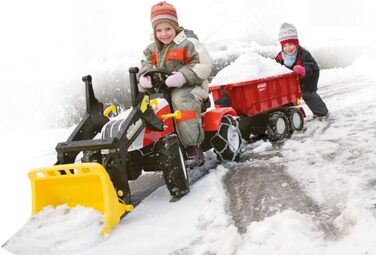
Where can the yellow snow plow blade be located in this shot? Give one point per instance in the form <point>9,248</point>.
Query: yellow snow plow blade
<point>85,184</point>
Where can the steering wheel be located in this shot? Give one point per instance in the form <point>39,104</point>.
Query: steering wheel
<point>158,78</point>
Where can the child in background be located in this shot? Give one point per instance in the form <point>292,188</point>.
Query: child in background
<point>179,51</point>
<point>298,59</point>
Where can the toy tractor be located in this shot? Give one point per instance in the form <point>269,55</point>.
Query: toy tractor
<point>142,138</point>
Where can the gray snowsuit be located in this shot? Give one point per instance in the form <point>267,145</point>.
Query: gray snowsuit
<point>187,55</point>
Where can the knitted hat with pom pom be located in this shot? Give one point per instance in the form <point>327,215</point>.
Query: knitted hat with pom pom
<point>163,11</point>
<point>288,34</point>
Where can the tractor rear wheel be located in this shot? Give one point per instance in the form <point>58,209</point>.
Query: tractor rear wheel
<point>227,141</point>
<point>278,126</point>
<point>170,158</point>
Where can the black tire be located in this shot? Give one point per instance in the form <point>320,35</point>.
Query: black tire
<point>278,126</point>
<point>296,119</point>
<point>170,158</point>
<point>134,168</point>
<point>227,141</point>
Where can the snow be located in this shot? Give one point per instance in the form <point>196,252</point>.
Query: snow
<point>247,67</point>
<point>195,223</point>
<point>55,229</point>
<point>47,47</point>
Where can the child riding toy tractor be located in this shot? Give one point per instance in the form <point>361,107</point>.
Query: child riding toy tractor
<point>142,138</point>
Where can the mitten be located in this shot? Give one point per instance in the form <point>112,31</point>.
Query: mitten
<point>145,82</point>
<point>299,70</point>
<point>177,80</point>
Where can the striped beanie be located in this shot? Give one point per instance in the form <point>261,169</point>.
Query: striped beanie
<point>288,34</point>
<point>163,11</point>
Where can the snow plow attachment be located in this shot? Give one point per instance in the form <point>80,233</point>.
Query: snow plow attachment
<point>85,184</point>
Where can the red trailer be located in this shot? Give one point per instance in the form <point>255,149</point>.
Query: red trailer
<point>264,105</point>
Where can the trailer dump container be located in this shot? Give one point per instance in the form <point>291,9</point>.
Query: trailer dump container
<point>264,105</point>
<point>261,95</point>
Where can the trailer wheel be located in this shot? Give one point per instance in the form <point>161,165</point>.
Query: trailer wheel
<point>296,119</point>
<point>226,142</point>
<point>278,126</point>
<point>169,157</point>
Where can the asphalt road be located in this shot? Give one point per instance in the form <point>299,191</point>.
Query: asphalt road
<point>258,187</point>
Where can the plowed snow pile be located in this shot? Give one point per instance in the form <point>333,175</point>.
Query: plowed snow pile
<point>57,229</point>
<point>252,66</point>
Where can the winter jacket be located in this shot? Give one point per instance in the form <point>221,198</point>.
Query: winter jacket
<point>185,54</point>
<point>304,58</point>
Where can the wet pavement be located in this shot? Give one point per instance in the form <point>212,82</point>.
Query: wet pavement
<point>259,186</point>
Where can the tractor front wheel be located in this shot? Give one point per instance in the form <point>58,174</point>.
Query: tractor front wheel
<point>170,158</point>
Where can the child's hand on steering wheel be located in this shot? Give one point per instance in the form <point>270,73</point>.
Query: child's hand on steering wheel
<point>145,82</point>
<point>175,80</point>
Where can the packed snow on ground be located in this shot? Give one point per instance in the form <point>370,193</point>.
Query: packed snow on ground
<point>47,47</point>
<point>249,66</point>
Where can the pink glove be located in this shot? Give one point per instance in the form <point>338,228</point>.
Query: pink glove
<point>177,80</point>
<point>145,82</point>
<point>299,70</point>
